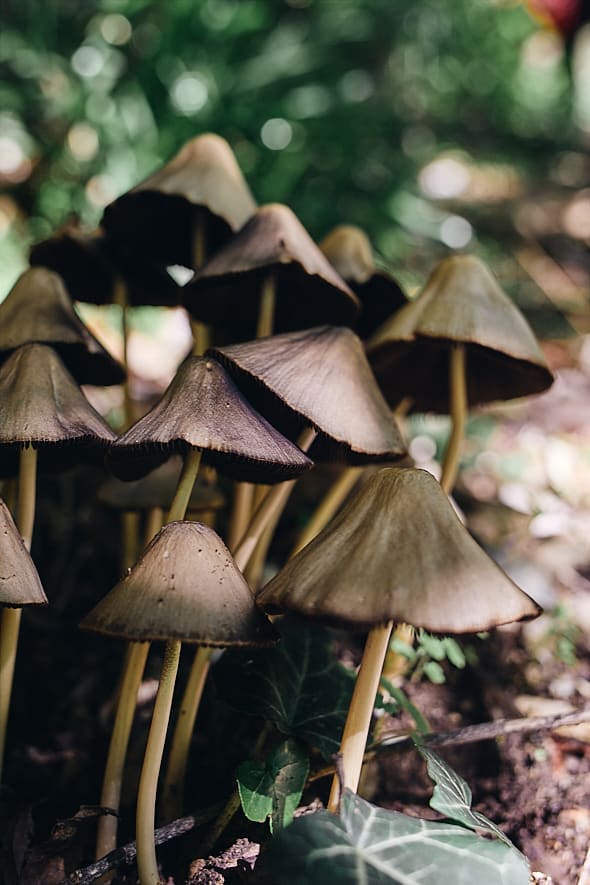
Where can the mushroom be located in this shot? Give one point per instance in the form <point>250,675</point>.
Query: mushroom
<point>186,209</point>
<point>41,408</point>
<point>185,588</point>
<point>38,309</point>
<point>461,315</point>
<point>395,552</point>
<point>348,249</point>
<point>19,587</point>
<point>272,270</point>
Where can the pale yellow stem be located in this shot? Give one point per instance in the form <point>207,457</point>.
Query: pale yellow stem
<point>130,527</point>
<point>241,512</point>
<point>147,864</point>
<point>11,617</point>
<point>266,310</point>
<point>133,668</point>
<point>328,507</point>
<point>154,519</point>
<point>272,504</point>
<point>358,720</point>
<point>185,485</point>
<point>458,397</point>
<point>173,790</point>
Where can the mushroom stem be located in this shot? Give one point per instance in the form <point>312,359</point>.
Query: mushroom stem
<point>268,509</point>
<point>328,507</point>
<point>266,311</point>
<point>133,669</point>
<point>199,330</point>
<point>11,617</point>
<point>147,865</point>
<point>358,721</point>
<point>130,529</point>
<point>241,512</point>
<point>172,793</point>
<point>135,658</point>
<point>185,485</point>
<point>458,396</point>
<point>120,299</point>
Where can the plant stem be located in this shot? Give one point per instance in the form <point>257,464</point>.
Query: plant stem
<point>185,485</point>
<point>326,509</point>
<point>135,658</point>
<point>154,519</point>
<point>241,512</point>
<point>147,865</point>
<point>458,397</point>
<point>266,310</point>
<point>11,617</point>
<point>173,790</point>
<point>269,508</point>
<point>199,330</point>
<point>358,721</point>
<point>121,300</point>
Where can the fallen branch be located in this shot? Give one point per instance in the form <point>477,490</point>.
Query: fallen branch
<point>470,734</point>
<point>126,854</point>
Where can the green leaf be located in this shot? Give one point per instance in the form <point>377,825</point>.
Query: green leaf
<point>402,648</point>
<point>403,701</point>
<point>274,789</point>
<point>299,685</point>
<point>452,796</point>
<point>369,845</point>
<point>434,672</point>
<point>454,652</point>
<point>432,645</point>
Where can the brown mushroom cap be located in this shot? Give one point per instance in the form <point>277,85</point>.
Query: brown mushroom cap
<point>460,303</point>
<point>38,309</point>
<point>397,551</point>
<point>157,217</point>
<point>202,408</point>
<point>185,586</point>
<point>226,290</point>
<point>41,405</point>
<point>89,265</point>
<point>19,581</point>
<point>349,251</point>
<point>157,490</point>
<point>318,377</point>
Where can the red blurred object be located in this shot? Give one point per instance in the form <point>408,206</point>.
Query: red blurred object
<point>566,16</point>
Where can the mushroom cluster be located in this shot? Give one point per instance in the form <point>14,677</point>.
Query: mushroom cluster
<point>302,353</point>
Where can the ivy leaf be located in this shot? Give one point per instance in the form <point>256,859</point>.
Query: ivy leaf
<point>452,796</point>
<point>299,685</point>
<point>378,847</point>
<point>273,789</point>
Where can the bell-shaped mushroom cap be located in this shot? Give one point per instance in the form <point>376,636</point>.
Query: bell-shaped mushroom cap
<point>41,405</point>
<point>397,551</point>
<point>157,490</point>
<point>158,216</point>
<point>348,249</point>
<point>185,586</point>
<point>38,309</point>
<point>461,303</point>
<point>318,377</point>
<point>89,264</point>
<point>202,408</point>
<point>19,581</point>
<point>226,290</point>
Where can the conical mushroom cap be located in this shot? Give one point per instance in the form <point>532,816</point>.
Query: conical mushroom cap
<point>19,581</point>
<point>38,309</point>
<point>349,251</point>
<point>89,266</point>
<point>41,405</point>
<point>157,490</point>
<point>318,377</point>
<point>203,409</point>
<point>158,216</point>
<point>308,289</point>
<point>461,302</point>
<point>185,586</point>
<point>397,551</point>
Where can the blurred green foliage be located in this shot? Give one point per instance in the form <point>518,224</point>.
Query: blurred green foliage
<point>331,105</point>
